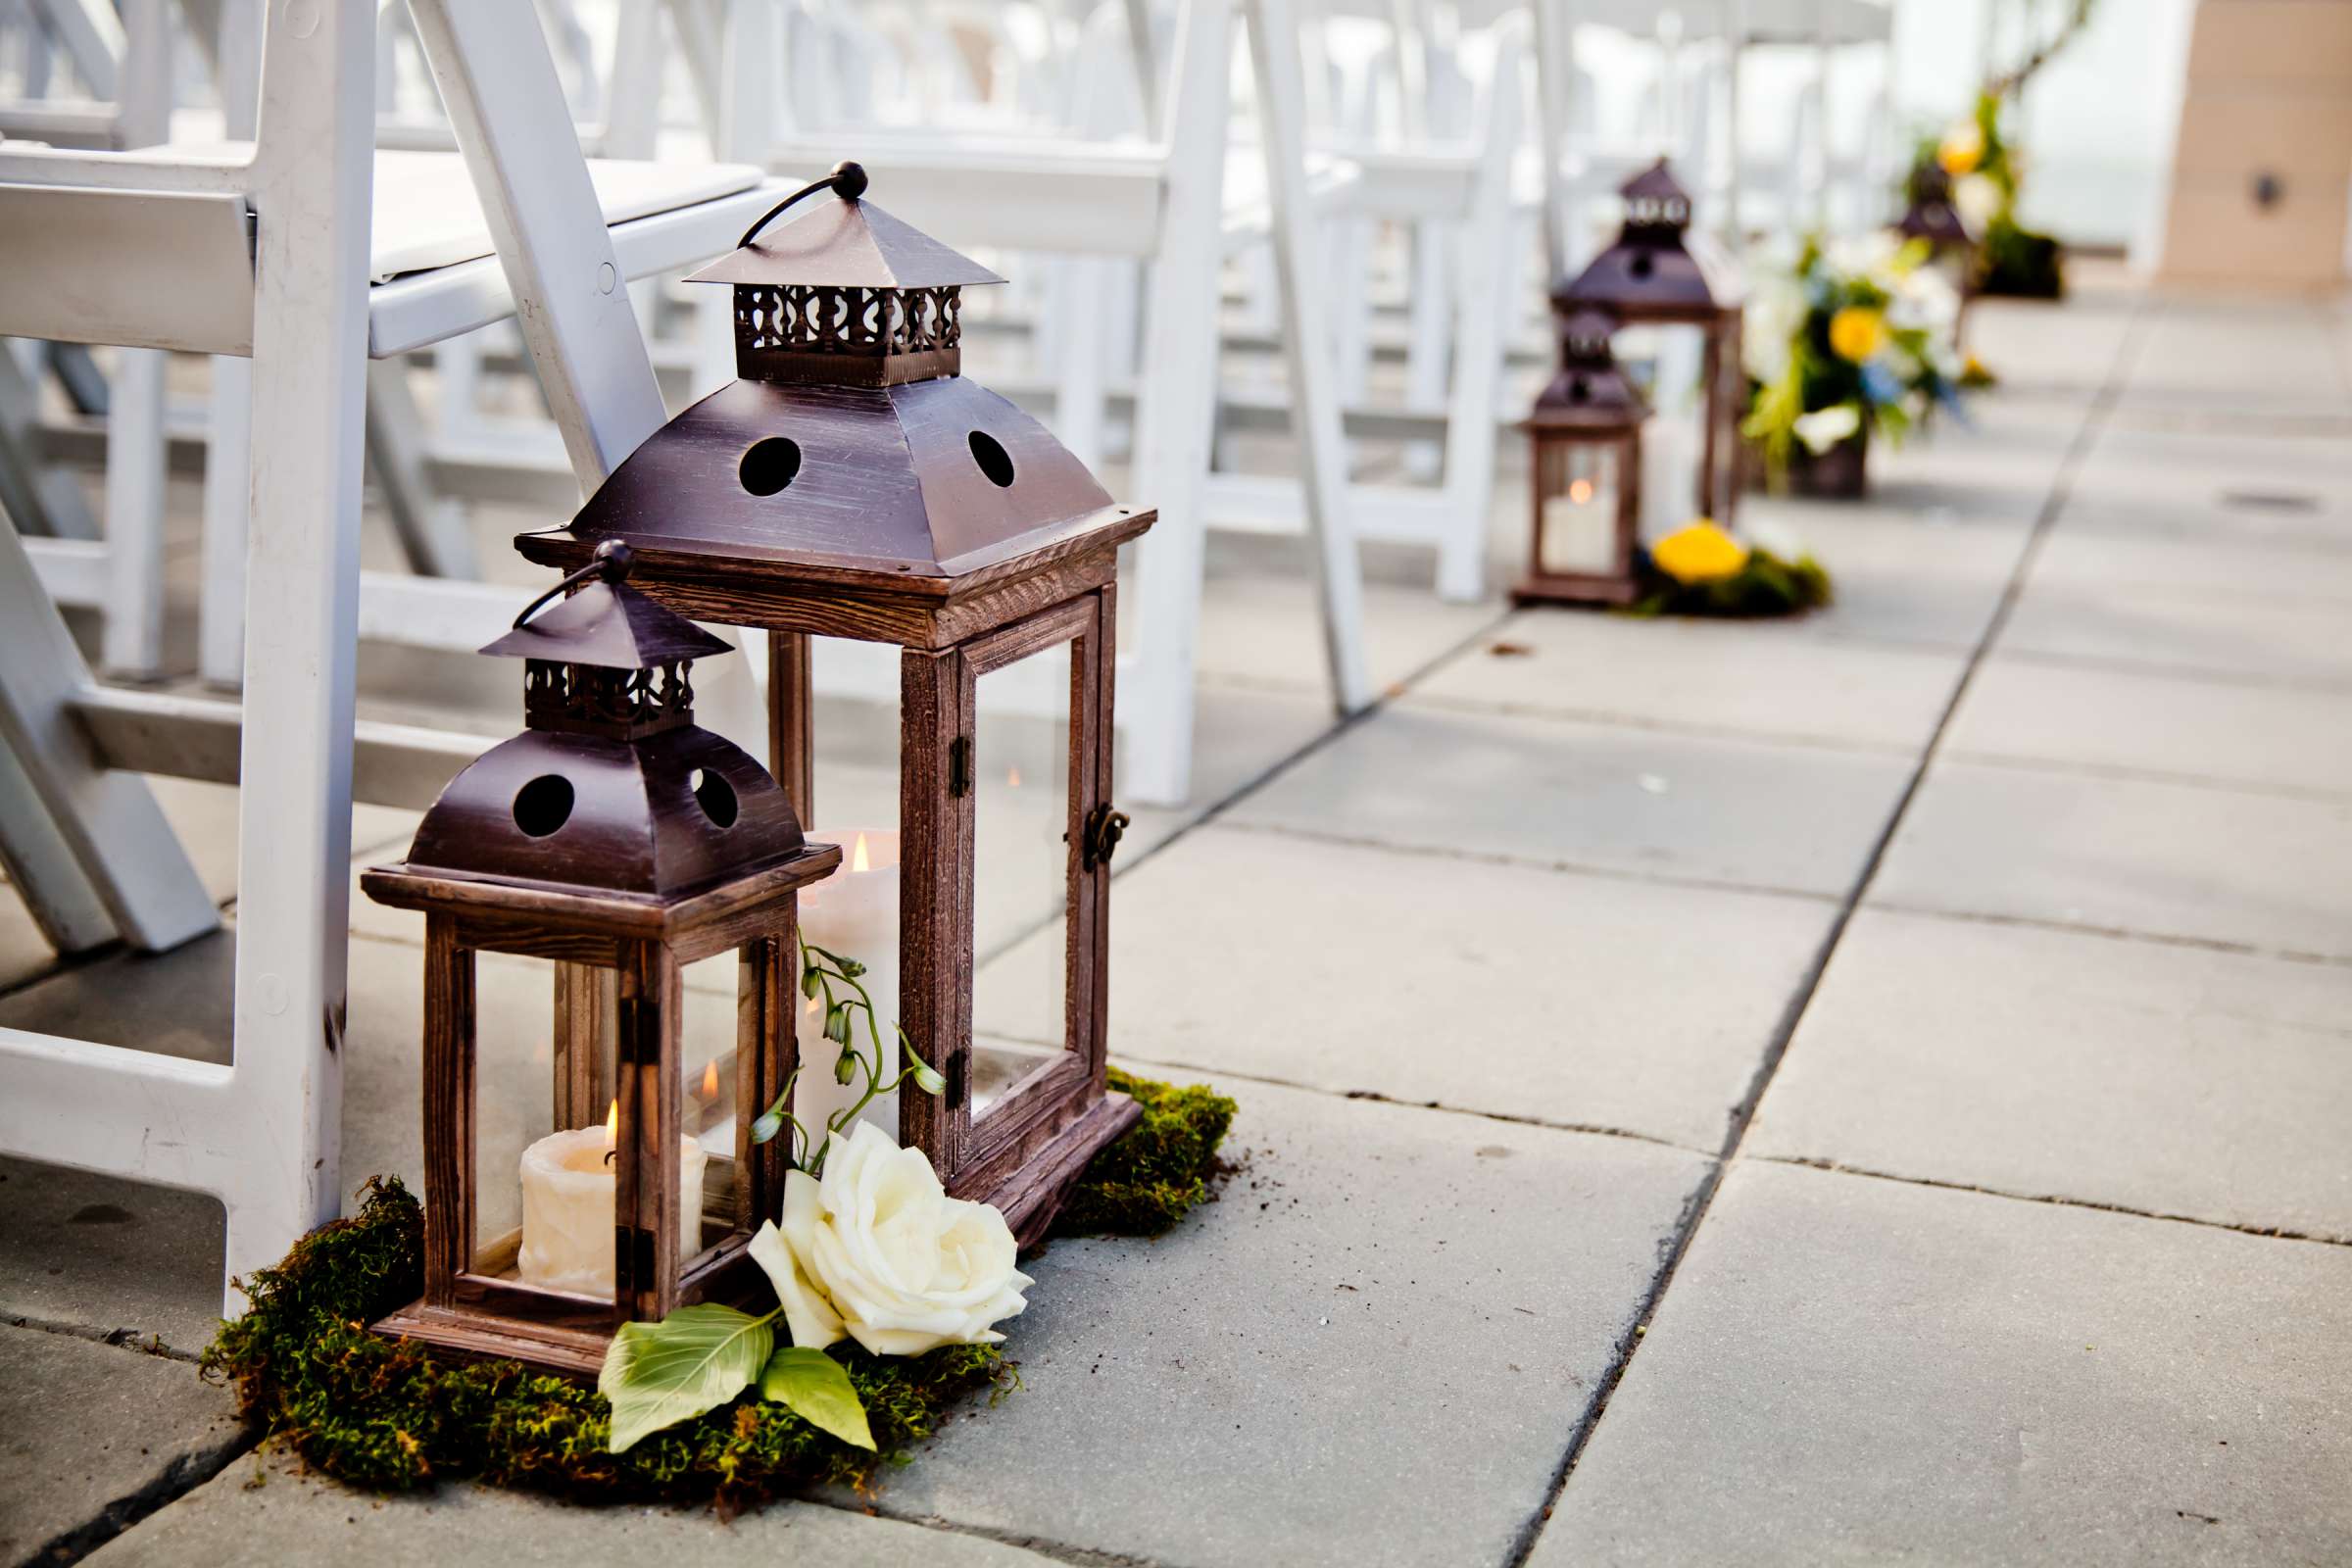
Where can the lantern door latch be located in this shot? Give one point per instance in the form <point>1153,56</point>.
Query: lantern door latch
<point>1104,829</point>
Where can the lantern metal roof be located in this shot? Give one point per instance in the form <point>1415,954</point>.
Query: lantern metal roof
<point>1590,394</point>
<point>850,451</point>
<point>1655,269</point>
<point>613,792</point>
<point>1929,213</point>
<point>850,244</point>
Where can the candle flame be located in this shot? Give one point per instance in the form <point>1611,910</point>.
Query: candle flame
<point>710,1082</point>
<point>859,861</point>
<point>612,1124</point>
<point>1580,491</point>
<point>1013,779</point>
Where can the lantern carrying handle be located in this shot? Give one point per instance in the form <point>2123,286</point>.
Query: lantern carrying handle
<point>611,564</point>
<point>848,181</point>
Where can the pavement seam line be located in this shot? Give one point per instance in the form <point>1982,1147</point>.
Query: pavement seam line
<point>2277,1232</point>
<point>2113,933</point>
<point>111,1337</point>
<point>1742,1116</point>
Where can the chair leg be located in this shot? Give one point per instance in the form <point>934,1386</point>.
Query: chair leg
<point>302,578</point>
<point>1339,577</point>
<point>1174,422</point>
<point>227,497</point>
<point>431,527</point>
<point>126,854</point>
<point>41,867</point>
<point>131,644</point>
<point>39,497</point>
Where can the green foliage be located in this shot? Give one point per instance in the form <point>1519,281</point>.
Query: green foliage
<point>388,1416</point>
<point>659,1374</point>
<point>1766,586</point>
<point>1164,1166</point>
<point>814,1386</point>
<point>819,969</point>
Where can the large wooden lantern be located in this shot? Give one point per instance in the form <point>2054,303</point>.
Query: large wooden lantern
<point>1658,273</point>
<point>852,484</point>
<point>612,833</point>
<point>1586,474</point>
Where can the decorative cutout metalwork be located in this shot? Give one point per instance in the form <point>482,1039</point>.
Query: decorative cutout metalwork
<point>589,699</point>
<point>819,318</point>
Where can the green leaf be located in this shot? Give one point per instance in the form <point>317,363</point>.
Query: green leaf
<point>696,1360</point>
<point>813,1386</point>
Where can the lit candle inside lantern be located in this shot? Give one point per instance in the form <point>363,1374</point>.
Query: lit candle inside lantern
<point>854,914</point>
<point>1580,528</point>
<point>569,1197</point>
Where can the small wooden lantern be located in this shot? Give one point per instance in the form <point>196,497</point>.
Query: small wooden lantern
<point>851,484</point>
<point>1659,272</point>
<point>615,833</point>
<point>1929,214</point>
<point>1586,478</point>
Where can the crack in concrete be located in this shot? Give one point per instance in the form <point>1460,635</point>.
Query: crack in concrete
<point>2112,933</point>
<point>2277,1233</point>
<point>1694,1210</point>
<point>123,1338</point>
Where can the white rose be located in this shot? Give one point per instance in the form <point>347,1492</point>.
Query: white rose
<point>878,1251</point>
<point>1776,310</point>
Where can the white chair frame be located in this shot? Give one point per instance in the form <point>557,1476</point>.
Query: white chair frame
<point>265,257</point>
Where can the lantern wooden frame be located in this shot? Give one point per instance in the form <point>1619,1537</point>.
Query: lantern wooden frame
<point>467,1307</point>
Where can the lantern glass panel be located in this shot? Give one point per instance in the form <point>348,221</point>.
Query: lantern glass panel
<point>1022,838</point>
<point>1579,484</point>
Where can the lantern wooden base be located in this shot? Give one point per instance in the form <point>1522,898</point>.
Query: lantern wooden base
<point>494,1318</point>
<point>1575,588</point>
<point>1030,1181</point>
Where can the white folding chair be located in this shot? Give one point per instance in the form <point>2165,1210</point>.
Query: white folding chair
<point>1459,190</point>
<point>1165,203</point>
<point>264,252</point>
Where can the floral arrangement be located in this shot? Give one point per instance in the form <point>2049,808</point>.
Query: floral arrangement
<point>1701,570</point>
<point>1849,337</point>
<point>887,1289</point>
<point>1984,169</point>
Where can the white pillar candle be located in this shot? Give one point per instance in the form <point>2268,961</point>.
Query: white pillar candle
<point>569,1199</point>
<point>1580,528</point>
<point>854,914</point>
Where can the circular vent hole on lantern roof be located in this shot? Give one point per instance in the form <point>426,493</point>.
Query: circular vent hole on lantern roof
<point>1579,391</point>
<point>994,460</point>
<point>544,805</point>
<point>769,465</point>
<point>1640,266</point>
<point>716,795</point>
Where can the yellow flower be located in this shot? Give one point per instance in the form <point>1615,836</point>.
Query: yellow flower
<point>1962,148</point>
<point>1857,333</point>
<point>1698,552</point>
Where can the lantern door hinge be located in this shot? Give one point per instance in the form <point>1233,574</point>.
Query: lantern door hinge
<point>960,766</point>
<point>1104,828</point>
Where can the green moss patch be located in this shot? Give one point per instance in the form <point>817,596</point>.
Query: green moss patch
<point>390,1417</point>
<point>1164,1166</point>
<point>1766,586</point>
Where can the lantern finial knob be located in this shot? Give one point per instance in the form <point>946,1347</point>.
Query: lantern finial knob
<point>615,561</point>
<point>849,179</point>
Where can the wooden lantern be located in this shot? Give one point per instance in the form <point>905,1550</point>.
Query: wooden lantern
<point>1586,474</point>
<point>1660,273</point>
<point>1929,215</point>
<point>617,834</point>
<point>851,484</point>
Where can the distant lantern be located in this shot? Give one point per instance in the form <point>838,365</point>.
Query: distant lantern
<point>852,484</point>
<point>1659,274</point>
<point>1929,215</point>
<point>613,833</point>
<point>1586,432</point>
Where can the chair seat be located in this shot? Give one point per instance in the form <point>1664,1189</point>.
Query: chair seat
<point>428,216</point>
